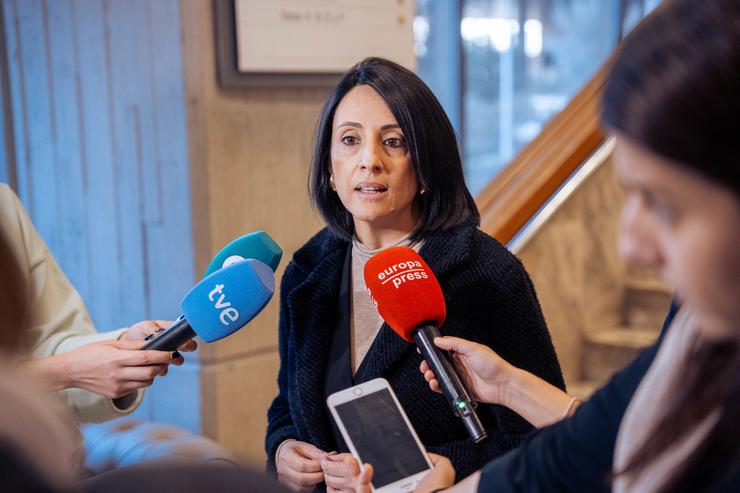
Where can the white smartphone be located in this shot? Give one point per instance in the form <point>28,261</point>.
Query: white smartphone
<point>378,432</point>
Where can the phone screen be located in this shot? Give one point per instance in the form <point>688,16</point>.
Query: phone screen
<point>382,437</point>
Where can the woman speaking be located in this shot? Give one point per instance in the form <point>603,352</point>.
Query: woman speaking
<point>385,172</point>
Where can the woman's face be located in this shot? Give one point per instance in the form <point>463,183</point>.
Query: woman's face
<point>371,164</point>
<point>686,226</point>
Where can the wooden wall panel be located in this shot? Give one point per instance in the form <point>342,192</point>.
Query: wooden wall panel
<point>37,173</point>
<point>170,160</point>
<point>98,107</point>
<point>109,118</point>
<point>127,66</point>
<point>97,158</point>
<point>68,138</point>
<point>250,150</point>
<point>7,148</point>
<point>100,138</point>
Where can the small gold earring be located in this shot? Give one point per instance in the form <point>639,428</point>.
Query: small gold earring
<point>331,183</point>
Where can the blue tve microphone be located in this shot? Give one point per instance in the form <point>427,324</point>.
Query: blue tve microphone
<point>220,304</point>
<point>257,245</point>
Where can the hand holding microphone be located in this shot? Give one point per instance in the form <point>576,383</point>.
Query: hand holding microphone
<point>256,247</point>
<point>485,373</point>
<point>410,300</point>
<point>116,368</point>
<point>220,304</point>
<point>493,380</point>
<point>149,329</point>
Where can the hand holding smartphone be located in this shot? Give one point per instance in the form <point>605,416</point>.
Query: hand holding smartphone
<point>378,432</point>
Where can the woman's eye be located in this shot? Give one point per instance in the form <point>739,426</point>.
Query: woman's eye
<point>394,142</point>
<point>666,214</point>
<point>349,140</point>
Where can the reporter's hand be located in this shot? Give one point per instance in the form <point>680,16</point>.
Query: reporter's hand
<point>299,466</point>
<point>114,368</point>
<point>442,475</point>
<point>145,328</point>
<point>485,373</point>
<point>340,472</point>
<point>489,378</point>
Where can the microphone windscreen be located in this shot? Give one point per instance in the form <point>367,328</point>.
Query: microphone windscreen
<point>405,290</point>
<point>228,299</point>
<point>257,245</point>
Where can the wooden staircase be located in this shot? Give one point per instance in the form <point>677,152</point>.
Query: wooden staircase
<point>601,312</point>
<point>557,206</point>
<point>645,302</point>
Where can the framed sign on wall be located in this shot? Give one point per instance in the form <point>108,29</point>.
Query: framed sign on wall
<point>307,42</point>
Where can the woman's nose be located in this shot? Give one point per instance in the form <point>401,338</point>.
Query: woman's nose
<point>371,160</point>
<point>637,242</point>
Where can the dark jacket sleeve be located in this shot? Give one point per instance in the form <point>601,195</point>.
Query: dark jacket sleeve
<point>279,420</point>
<point>510,321</point>
<point>575,454</point>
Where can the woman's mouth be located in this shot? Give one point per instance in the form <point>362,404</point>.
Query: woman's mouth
<point>371,188</point>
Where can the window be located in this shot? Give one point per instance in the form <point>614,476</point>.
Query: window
<point>503,68</point>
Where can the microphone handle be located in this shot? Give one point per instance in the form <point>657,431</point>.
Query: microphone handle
<point>449,381</point>
<point>178,334</point>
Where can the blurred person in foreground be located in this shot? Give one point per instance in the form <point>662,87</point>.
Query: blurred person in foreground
<point>669,421</point>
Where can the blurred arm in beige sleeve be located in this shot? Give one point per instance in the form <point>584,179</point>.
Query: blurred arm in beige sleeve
<point>59,321</point>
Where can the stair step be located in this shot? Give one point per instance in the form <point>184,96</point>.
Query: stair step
<point>606,351</point>
<point>582,389</point>
<point>646,303</point>
<point>627,337</point>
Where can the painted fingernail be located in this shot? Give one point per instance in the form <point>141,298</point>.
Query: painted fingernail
<point>176,354</point>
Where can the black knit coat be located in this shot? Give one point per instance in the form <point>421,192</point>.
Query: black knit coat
<point>490,299</point>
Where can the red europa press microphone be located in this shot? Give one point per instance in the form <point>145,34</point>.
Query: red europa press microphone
<point>409,298</point>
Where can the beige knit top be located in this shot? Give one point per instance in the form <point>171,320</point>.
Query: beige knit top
<point>365,321</point>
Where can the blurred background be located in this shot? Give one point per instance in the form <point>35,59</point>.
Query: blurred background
<point>140,149</point>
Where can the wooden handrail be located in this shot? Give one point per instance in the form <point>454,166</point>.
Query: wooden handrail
<point>518,192</point>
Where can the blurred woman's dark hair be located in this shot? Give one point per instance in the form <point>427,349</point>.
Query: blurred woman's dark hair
<point>14,299</point>
<point>674,89</point>
<point>431,142</point>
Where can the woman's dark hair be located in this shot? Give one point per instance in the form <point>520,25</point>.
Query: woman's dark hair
<point>675,90</point>
<point>675,87</point>
<point>431,142</point>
